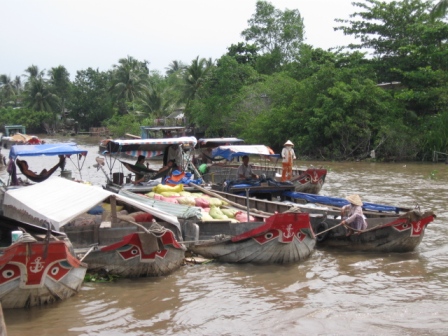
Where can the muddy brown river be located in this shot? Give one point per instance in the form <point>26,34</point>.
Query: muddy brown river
<point>331,293</point>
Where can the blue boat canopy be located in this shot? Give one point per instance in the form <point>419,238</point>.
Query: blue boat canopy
<point>230,152</point>
<point>66,148</point>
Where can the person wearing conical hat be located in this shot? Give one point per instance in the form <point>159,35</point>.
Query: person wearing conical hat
<point>288,156</point>
<point>355,219</point>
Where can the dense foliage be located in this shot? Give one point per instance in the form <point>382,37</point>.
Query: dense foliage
<point>388,92</point>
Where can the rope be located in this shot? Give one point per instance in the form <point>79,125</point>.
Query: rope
<point>317,234</point>
<point>94,247</point>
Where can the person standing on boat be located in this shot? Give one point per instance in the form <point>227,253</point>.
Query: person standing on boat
<point>175,153</point>
<point>288,157</point>
<point>245,171</point>
<point>352,215</point>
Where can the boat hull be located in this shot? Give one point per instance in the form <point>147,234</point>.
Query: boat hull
<point>387,234</point>
<point>126,253</point>
<point>35,274</point>
<point>307,181</point>
<point>283,239</point>
<point>310,181</point>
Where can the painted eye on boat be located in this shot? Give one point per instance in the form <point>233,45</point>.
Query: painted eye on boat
<point>299,235</point>
<point>134,252</point>
<point>269,235</point>
<point>405,226</point>
<point>54,270</point>
<point>8,274</point>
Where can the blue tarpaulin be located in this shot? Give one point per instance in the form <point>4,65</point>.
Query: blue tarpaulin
<point>66,148</point>
<point>339,202</point>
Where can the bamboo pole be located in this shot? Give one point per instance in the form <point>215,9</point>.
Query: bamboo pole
<point>113,211</point>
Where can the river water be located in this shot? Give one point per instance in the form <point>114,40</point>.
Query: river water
<point>331,293</point>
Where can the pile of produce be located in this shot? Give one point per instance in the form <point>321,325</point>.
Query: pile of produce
<point>212,208</point>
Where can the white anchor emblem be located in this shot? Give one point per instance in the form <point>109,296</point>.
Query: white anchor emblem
<point>418,227</point>
<point>289,234</point>
<point>38,265</point>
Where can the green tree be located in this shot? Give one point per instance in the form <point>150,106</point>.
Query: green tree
<point>91,104</point>
<point>243,53</point>
<point>33,72</point>
<point>195,75</point>
<point>7,90</point>
<point>440,9</point>
<point>218,94</point>
<point>130,79</point>
<point>31,119</point>
<point>154,102</point>
<point>39,97</point>
<point>175,67</point>
<point>60,82</point>
<point>275,32</point>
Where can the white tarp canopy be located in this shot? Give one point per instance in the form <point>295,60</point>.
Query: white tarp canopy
<point>232,151</point>
<point>58,201</point>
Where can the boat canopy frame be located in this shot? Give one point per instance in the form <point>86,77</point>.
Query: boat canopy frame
<point>68,149</point>
<point>147,147</point>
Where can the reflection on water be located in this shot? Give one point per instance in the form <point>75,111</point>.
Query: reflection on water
<point>331,293</point>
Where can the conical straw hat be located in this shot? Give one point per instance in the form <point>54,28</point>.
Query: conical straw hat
<point>288,143</point>
<point>354,199</point>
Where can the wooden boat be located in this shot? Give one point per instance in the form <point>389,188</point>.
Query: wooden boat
<point>68,150</point>
<point>148,148</point>
<point>16,135</point>
<point>127,244</point>
<point>308,180</point>
<point>38,268</point>
<point>281,239</point>
<point>390,228</point>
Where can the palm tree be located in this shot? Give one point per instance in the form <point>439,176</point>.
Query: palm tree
<point>39,97</point>
<point>175,66</point>
<point>194,77</point>
<point>7,89</point>
<point>60,82</point>
<point>33,72</point>
<point>130,79</point>
<point>154,102</point>
<point>440,9</point>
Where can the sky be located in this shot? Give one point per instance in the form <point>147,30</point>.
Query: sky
<point>79,34</point>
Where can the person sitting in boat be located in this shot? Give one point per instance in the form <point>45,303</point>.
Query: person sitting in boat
<point>140,164</point>
<point>171,164</point>
<point>354,217</point>
<point>288,156</point>
<point>245,171</point>
<point>162,172</point>
<point>33,176</point>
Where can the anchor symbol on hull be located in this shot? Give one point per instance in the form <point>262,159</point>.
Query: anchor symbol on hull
<point>289,232</point>
<point>418,227</point>
<point>38,265</point>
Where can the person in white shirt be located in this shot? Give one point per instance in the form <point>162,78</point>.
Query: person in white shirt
<point>175,153</point>
<point>288,156</point>
<point>245,171</point>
